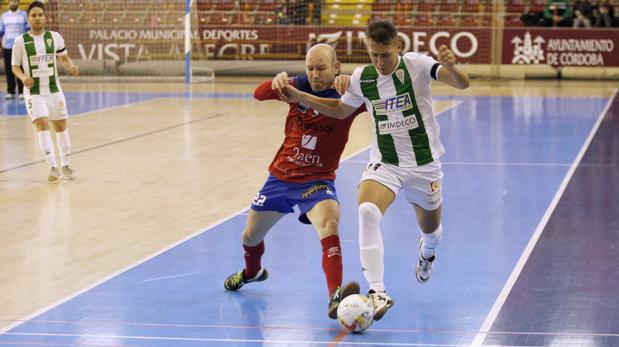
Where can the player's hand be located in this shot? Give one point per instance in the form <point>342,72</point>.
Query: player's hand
<point>341,83</point>
<point>280,81</point>
<point>74,70</point>
<point>446,57</point>
<point>28,82</point>
<point>289,94</point>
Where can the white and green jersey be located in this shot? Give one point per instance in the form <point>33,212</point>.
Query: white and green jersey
<point>36,54</point>
<point>406,131</point>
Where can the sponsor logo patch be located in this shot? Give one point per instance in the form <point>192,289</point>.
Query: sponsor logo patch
<point>41,59</point>
<point>398,103</point>
<point>397,125</point>
<point>309,141</point>
<point>38,73</point>
<point>316,188</point>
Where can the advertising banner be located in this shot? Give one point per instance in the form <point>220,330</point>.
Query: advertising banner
<point>130,44</point>
<point>561,47</point>
<point>556,47</point>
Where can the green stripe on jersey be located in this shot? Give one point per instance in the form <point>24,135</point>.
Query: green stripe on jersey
<point>50,48</point>
<point>386,145</point>
<point>419,136</point>
<point>31,51</point>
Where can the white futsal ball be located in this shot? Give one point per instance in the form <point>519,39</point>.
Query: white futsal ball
<point>355,313</point>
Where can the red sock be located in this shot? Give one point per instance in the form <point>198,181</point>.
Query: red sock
<point>252,255</point>
<point>332,261</point>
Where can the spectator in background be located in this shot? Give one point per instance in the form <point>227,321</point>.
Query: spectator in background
<point>282,13</point>
<point>13,23</point>
<point>582,14</point>
<point>298,12</point>
<point>530,18</point>
<point>558,13</point>
<point>604,15</point>
<point>314,8</point>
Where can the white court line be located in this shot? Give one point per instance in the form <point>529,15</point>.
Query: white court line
<point>171,276</point>
<point>483,163</point>
<point>281,342</point>
<point>143,260</point>
<point>498,304</point>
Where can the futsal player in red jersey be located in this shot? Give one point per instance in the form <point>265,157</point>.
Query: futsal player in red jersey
<point>302,174</point>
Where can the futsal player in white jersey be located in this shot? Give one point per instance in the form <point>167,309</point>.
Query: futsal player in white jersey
<point>405,148</point>
<point>35,52</point>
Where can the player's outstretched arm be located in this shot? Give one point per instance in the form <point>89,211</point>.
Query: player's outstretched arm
<point>68,65</point>
<point>449,73</point>
<point>271,89</point>
<point>333,108</point>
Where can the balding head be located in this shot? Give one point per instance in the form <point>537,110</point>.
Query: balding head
<point>323,50</point>
<point>321,66</point>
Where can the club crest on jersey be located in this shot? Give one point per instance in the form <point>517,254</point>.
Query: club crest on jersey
<point>397,125</point>
<point>398,103</point>
<point>48,42</point>
<point>400,75</point>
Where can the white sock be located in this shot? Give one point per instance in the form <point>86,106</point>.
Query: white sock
<point>431,241</point>
<point>47,146</point>
<point>64,146</point>
<point>371,245</point>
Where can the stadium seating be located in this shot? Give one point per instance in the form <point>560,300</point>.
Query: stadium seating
<point>462,13</point>
<point>426,6</point>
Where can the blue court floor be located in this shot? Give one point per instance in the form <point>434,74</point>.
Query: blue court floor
<point>521,262</point>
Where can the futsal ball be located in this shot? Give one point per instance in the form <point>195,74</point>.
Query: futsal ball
<point>355,313</point>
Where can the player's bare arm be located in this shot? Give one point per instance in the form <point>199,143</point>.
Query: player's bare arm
<point>280,81</point>
<point>333,108</point>
<point>341,83</point>
<point>449,73</point>
<point>67,63</point>
<point>27,80</point>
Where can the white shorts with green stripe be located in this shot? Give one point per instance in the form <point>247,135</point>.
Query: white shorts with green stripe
<point>422,185</point>
<point>52,105</point>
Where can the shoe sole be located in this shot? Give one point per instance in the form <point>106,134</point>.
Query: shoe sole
<point>350,288</point>
<point>378,315</point>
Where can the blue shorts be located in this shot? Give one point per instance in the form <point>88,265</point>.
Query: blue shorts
<point>280,196</point>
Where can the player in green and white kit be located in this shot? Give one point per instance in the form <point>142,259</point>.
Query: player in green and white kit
<point>405,148</point>
<point>35,51</point>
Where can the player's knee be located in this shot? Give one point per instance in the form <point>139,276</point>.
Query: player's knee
<point>327,226</point>
<point>249,238</point>
<point>369,215</point>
